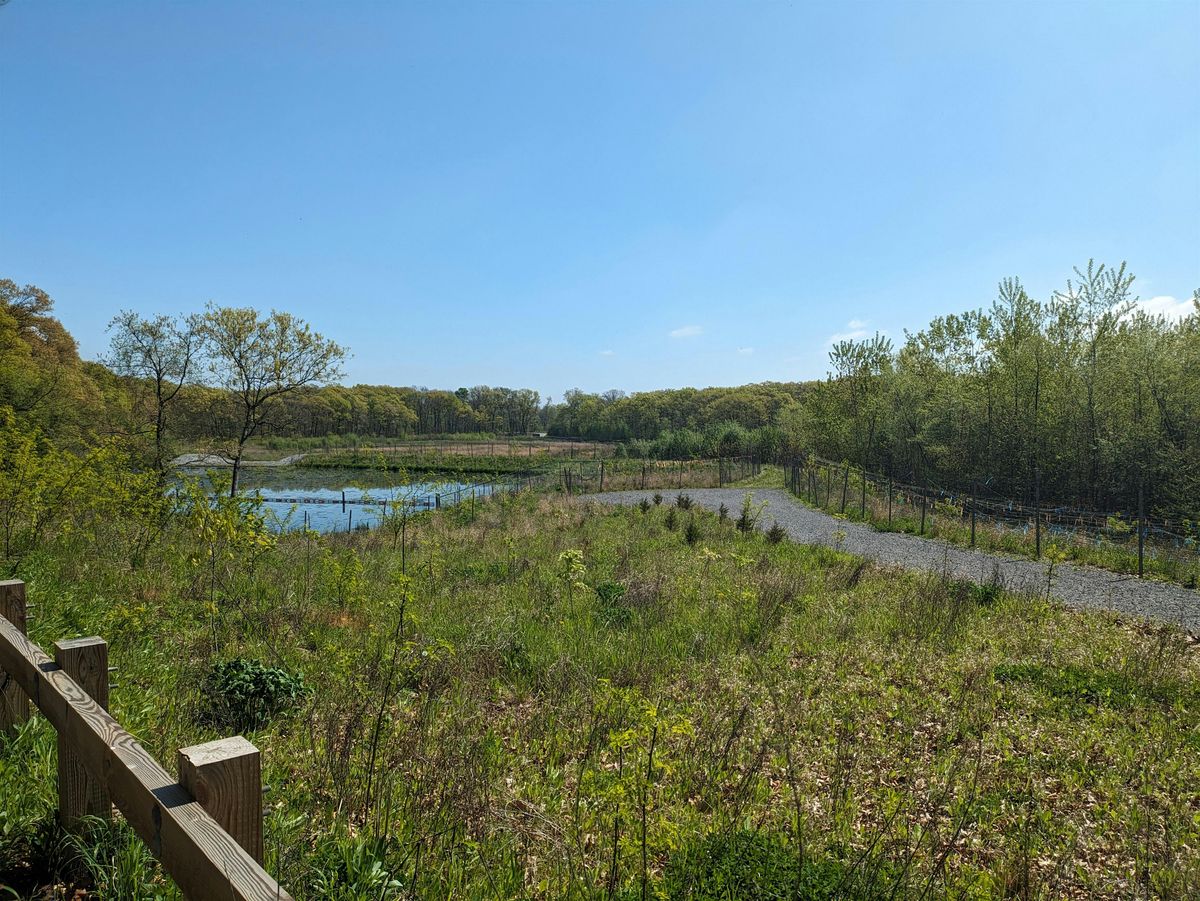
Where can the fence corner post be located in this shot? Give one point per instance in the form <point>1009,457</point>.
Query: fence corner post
<point>80,793</point>
<point>225,777</point>
<point>14,705</point>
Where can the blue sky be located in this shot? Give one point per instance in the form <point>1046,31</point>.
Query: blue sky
<point>594,195</point>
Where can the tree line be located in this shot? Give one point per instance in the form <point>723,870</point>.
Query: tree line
<point>219,379</point>
<point>1080,398</point>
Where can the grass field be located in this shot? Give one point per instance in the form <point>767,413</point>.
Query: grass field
<point>557,699</point>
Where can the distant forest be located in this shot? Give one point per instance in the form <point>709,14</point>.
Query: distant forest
<point>1082,397</point>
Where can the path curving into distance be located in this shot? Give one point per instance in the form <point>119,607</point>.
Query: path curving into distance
<point>1075,586</point>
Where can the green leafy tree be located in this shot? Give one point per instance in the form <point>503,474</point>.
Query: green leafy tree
<point>261,359</point>
<point>157,355</point>
<point>42,379</point>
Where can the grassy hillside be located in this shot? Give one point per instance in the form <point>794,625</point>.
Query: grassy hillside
<point>555,699</point>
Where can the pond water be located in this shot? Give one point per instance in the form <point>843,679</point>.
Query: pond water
<point>335,500</point>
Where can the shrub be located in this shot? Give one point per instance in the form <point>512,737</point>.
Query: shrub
<point>691,532</point>
<point>683,502</point>
<point>750,514</point>
<point>425,666</point>
<point>644,505</point>
<point>776,533</point>
<point>245,695</point>
<point>722,513</point>
<point>671,520</point>
<point>612,611</point>
<point>657,499</point>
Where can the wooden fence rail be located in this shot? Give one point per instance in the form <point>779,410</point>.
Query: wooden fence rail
<point>193,828</point>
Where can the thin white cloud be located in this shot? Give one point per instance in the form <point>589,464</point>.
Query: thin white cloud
<point>1172,308</point>
<point>854,335</point>
<point>685,331</point>
<point>608,353</point>
<point>745,351</point>
<point>855,329</point>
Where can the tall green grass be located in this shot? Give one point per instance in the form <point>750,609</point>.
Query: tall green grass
<point>549,698</point>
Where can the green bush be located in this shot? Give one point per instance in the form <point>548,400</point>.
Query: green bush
<point>612,611</point>
<point>245,695</point>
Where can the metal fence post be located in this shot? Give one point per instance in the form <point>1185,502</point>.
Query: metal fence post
<point>973,493</point>
<point>1141,528</point>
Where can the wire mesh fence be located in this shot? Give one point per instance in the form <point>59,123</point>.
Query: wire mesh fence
<point>1130,542</point>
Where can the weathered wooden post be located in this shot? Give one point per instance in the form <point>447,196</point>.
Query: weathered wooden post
<point>845,486</point>
<point>601,475</point>
<point>922,512</point>
<point>225,777</point>
<point>14,704</point>
<point>80,794</point>
<point>889,500</point>
<point>343,501</point>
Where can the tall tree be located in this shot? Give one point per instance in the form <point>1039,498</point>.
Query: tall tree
<point>159,354</point>
<point>259,360</point>
<point>41,376</point>
<point>861,368</point>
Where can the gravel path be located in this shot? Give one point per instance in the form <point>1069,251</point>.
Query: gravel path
<point>216,461</point>
<point>1077,586</point>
